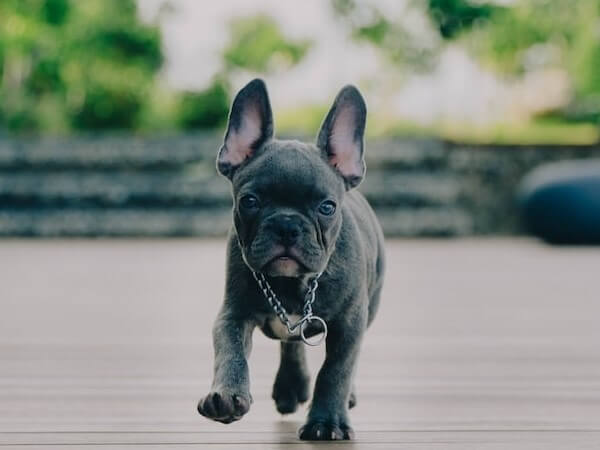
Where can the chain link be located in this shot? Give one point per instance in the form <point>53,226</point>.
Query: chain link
<point>279,309</point>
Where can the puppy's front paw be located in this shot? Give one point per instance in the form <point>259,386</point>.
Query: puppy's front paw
<point>225,407</point>
<point>325,430</point>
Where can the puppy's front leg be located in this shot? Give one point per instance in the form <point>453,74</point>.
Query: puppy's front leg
<point>328,416</point>
<point>229,398</point>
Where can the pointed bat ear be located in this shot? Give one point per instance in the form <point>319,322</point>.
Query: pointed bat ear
<point>250,125</point>
<point>342,134</point>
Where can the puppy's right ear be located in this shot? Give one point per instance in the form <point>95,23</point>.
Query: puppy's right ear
<point>250,125</point>
<point>342,135</point>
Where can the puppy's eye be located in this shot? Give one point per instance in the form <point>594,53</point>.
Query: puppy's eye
<point>327,208</point>
<point>249,202</point>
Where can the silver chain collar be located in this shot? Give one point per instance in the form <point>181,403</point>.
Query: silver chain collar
<point>307,312</point>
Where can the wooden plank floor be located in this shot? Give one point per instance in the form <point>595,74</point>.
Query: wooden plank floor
<point>479,344</point>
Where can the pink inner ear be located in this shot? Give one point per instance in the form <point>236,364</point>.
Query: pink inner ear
<point>345,152</point>
<point>239,143</point>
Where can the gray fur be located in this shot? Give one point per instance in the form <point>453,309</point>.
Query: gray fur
<point>290,180</point>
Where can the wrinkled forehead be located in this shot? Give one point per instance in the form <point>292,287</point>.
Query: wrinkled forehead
<point>287,170</point>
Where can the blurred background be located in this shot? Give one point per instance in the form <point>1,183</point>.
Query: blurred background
<point>112,111</point>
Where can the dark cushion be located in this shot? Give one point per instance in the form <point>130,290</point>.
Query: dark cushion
<point>560,202</point>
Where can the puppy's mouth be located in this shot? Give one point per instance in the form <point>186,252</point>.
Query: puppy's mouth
<point>285,263</point>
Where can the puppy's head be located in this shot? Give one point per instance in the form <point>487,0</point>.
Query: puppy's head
<point>288,194</point>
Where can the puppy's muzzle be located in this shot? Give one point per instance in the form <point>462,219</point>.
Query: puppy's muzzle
<point>287,228</point>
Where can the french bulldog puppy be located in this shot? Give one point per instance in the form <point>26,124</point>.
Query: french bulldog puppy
<point>296,214</point>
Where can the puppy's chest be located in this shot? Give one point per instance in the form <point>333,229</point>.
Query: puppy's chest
<point>292,300</point>
<point>274,328</point>
<point>279,330</point>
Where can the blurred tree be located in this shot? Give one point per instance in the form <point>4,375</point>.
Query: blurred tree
<point>92,65</point>
<point>74,64</point>
<point>404,42</point>
<point>393,35</point>
<point>257,44</point>
<point>513,38</point>
<point>533,34</point>
<point>454,16</point>
<point>205,109</point>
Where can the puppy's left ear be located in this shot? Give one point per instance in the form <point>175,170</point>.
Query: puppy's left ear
<point>250,126</point>
<point>342,134</point>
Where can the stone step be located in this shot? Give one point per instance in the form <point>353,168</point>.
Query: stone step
<point>72,222</point>
<point>388,188</point>
<point>106,152</point>
<point>201,188</point>
<point>118,152</point>
<point>114,222</point>
<point>96,189</point>
<point>127,152</point>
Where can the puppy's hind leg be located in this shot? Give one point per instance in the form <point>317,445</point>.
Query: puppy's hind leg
<point>291,385</point>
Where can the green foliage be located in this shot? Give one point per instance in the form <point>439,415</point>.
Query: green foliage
<point>454,16</point>
<point>548,33</point>
<point>257,44</point>
<point>369,24</point>
<point>521,36</point>
<point>583,54</point>
<point>69,64</point>
<point>55,11</point>
<point>375,32</point>
<point>205,109</point>
<point>534,132</point>
<point>301,120</point>
<point>507,37</point>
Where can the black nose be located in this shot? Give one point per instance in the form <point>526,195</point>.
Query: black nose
<point>288,229</point>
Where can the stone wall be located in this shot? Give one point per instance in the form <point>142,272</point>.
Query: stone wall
<point>167,186</point>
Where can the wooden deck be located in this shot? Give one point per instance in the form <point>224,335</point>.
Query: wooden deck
<point>486,344</point>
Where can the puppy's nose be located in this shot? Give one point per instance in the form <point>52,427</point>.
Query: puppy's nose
<point>288,229</point>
